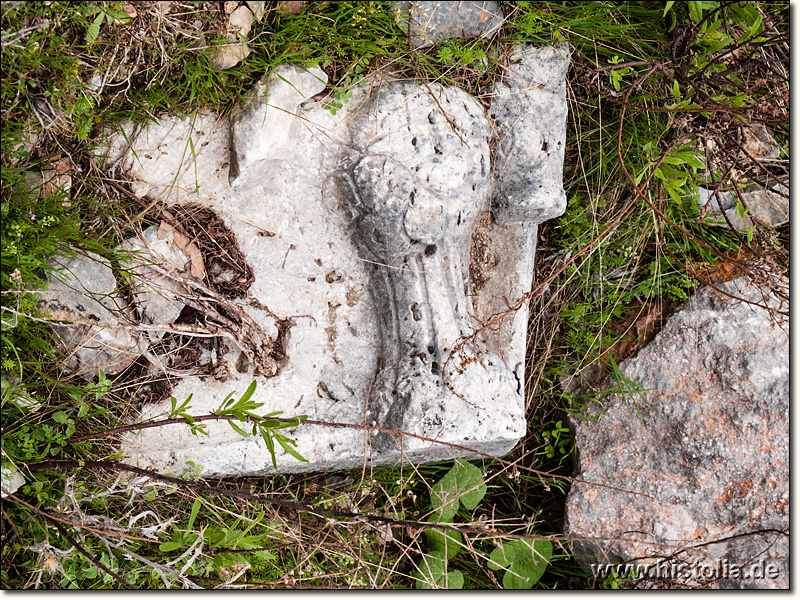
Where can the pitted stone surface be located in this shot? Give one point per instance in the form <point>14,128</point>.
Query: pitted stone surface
<point>703,448</point>
<point>530,114</point>
<point>358,233</point>
<point>418,186</point>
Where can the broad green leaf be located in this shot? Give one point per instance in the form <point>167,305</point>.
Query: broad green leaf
<point>447,542</point>
<point>232,536</point>
<point>90,572</point>
<point>454,580</point>
<point>525,562</point>
<point>94,29</point>
<point>615,79</point>
<point>711,26</point>
<point>214,536</point>
<point>433,574</point>
<point>228,560</point>
<point>60,417</point>
<point>431,570</point>
<point>170,546</point>
<point>757,27</point>
<point>463,483</point>
<point>696,9</point>
<point>695,162</point>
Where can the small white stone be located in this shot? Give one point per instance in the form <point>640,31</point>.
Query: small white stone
<point>12,479</point>
<point>140,189</point>
<point>241,20</point>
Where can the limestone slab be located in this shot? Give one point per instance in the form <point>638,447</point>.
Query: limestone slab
<point>359,236</point>
<point>766,205</point>
<point>11,479</point>
<point>156,296</point>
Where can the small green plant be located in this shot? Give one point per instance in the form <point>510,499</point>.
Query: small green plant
<point>242,409</point>
<point>342,93</point>
<point>557,439</point>
<point>615,581</point>
<point>182,412</point>
<point>222,537</point>
<point>266,425</point>
<point>452,53</point>
<point>677,170</point>
<point>463,486</point>
<point>96,14</point>
<point>615,75</point>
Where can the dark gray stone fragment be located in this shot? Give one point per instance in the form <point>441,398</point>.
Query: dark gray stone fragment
<point>430,22</point>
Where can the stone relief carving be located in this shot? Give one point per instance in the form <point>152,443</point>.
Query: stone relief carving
<point>415,215</point>
<point>360,228</point>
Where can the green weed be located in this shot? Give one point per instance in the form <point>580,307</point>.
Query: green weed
<point>463,487</point>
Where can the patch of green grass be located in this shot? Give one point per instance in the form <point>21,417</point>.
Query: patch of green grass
<point>658,250</point>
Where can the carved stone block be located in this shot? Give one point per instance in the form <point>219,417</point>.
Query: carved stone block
<point>362,240</point>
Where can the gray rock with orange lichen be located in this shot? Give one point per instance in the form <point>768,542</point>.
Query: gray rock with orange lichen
<point>700,444</point>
